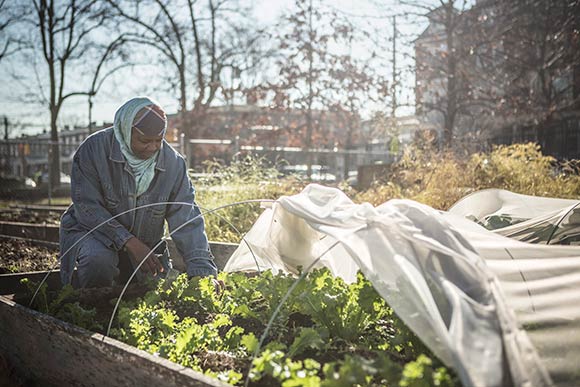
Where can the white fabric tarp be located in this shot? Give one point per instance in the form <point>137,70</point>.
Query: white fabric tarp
<point>497,310</point>
<point>523,217</point>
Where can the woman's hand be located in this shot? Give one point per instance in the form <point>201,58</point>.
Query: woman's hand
<point>138,250</point>
<point>218,285</point>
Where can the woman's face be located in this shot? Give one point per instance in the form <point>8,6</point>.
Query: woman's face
<point>144,146</point>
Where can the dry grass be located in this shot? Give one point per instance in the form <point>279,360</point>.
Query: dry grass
<point>440,179</point>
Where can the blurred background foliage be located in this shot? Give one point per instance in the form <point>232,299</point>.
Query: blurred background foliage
<point>422,174</point>
<point>246,178</point>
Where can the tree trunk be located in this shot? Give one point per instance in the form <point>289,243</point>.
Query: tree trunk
<point>310,97</point>
<point>451,108</point>
<point>54,155</point>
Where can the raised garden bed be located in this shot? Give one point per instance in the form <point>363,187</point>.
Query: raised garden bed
<point>41,350</point>
<point>36,215</point>
<point>326,333</point>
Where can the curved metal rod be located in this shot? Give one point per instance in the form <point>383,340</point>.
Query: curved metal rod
<point>89,232</point>
<point>283,300</point>
<point>108,220</point>
<point>158,244</point>
<point>559,222</point>
<point>243,238</point>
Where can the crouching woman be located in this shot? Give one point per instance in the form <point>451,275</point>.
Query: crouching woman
<point>123,181</point>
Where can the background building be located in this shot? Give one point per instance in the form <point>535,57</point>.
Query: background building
<point>512,74</point>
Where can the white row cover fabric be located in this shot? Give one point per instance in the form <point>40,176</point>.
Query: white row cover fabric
<point>522,217</point>
<point>468,293</point>
<point>541,283</point>
<point>489,202</point>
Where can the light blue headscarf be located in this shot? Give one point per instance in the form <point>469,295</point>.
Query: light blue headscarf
<point>144,170</point>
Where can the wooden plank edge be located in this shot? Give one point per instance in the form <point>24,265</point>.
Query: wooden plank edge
<point>54,353</point>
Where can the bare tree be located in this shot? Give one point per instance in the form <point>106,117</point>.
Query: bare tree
<point>499,63</point>
<point>314,74</point>
<point>518,66</point>
<point>11,14</point>
<point>357,84</point>
<point>441,88</point>
<point>162,32</point>
<point>196,44</point>
<point>106,67</point>
<point>535,51</point>
<point>64,29</point>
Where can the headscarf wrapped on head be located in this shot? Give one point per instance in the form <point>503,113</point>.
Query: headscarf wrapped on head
<point>149,124</point>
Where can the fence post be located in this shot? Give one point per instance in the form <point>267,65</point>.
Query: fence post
<point>182,144</point>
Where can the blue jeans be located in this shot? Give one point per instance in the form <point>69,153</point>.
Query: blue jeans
<point>99,265</point>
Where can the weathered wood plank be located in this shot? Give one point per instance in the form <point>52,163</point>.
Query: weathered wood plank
<point>31,207</point>
<point>48,232</point>
<point>10,283</point>
<point>54,353</point>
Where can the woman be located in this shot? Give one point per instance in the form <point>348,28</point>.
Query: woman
<point>116,171</point>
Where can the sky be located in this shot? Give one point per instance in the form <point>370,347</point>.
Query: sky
<point>32,118</point>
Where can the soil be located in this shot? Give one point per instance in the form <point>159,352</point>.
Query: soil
<point>18,256</point>
<point>28,216</point>
<point>219,361</point>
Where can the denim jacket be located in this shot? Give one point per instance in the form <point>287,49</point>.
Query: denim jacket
<point>102,186</point>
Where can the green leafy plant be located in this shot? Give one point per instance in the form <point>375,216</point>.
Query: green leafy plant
<point>327,333</point>
<point>61,305</point>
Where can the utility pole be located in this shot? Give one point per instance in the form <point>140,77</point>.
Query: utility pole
<point>394,142</point>
<point>90,113</point>
<point>394,81</point>
<point>6,166</point>
<point>5,128</point>
<point>309,123</point>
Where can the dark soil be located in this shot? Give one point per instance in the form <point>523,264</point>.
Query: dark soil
<point>18,256</point>
<point>219,361</point>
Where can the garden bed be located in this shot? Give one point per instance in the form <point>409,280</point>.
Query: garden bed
<point>20,255</point>
<point>326,333</point>
<point>27,215</point>
<point>38,349</point>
